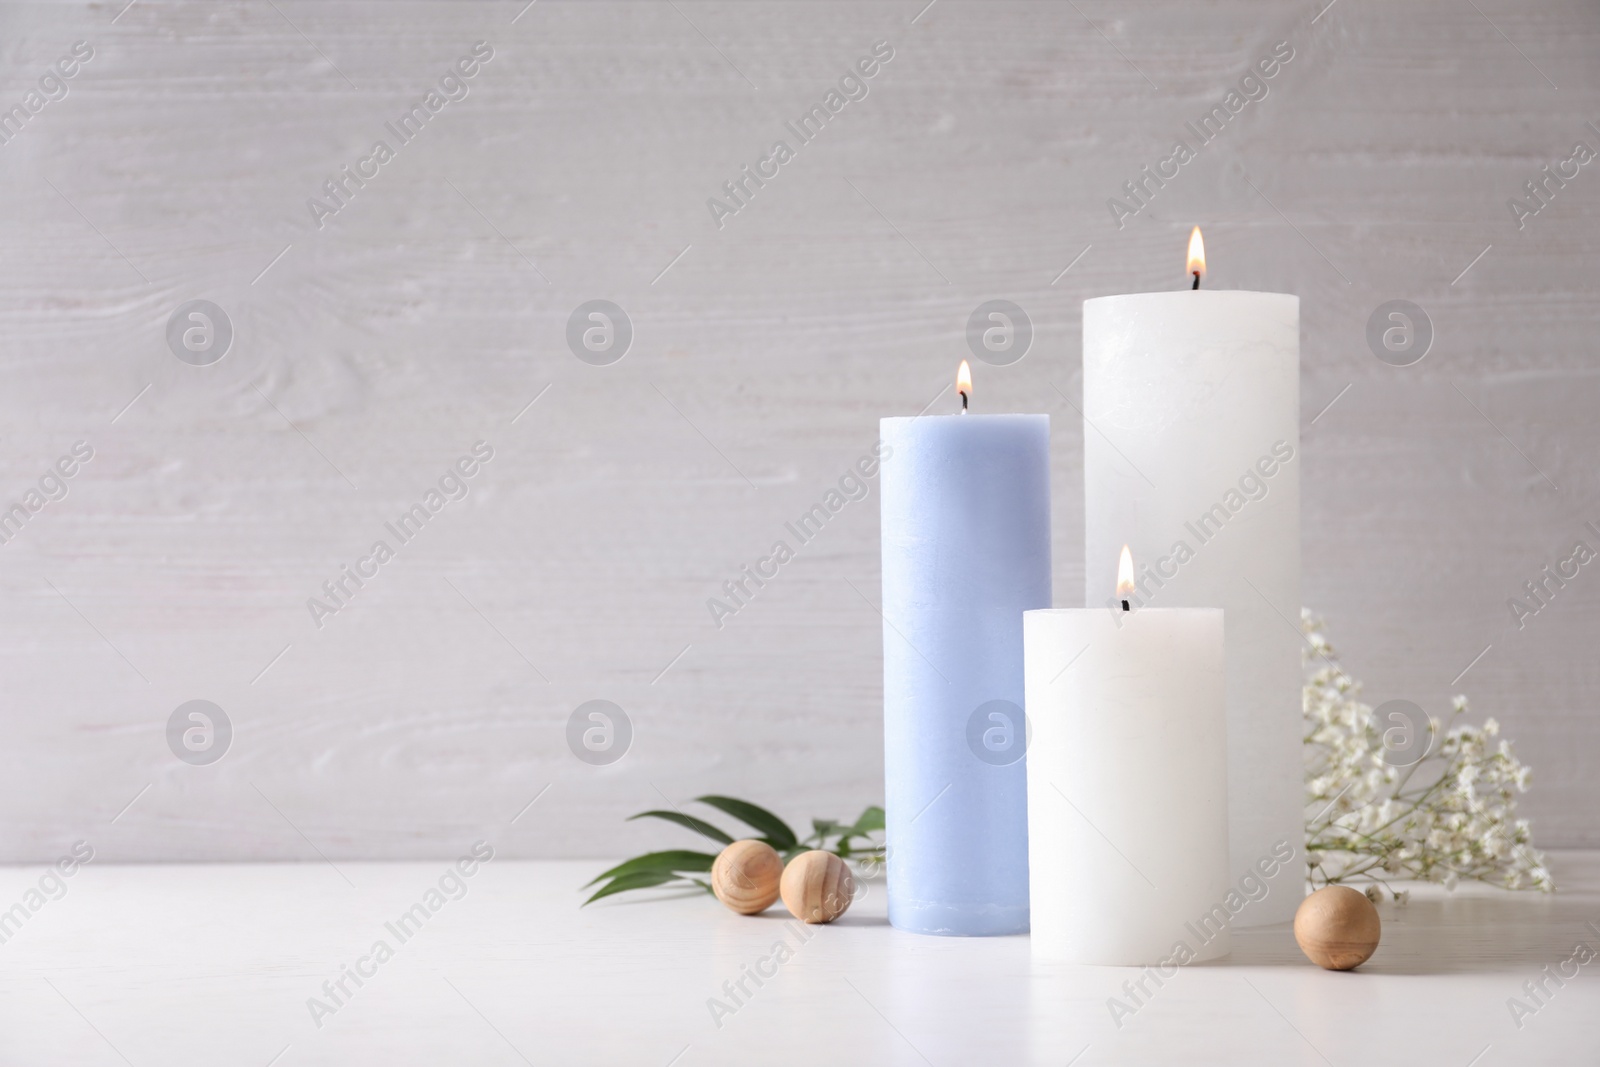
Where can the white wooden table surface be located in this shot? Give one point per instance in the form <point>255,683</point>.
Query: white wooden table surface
<point>183,964</point>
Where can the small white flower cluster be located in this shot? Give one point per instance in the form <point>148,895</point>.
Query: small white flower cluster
<point>1447,818</point>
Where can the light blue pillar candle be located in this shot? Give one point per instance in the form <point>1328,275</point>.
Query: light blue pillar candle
<point>966,550</point>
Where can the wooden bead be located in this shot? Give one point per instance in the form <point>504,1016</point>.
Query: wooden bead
<point>745,876</point>
<point>817,887</point>
<point>1337,928</point>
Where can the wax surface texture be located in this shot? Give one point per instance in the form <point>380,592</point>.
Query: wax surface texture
<point>966,550</point>
<point>1127,785</point>
<point>1192,458</point>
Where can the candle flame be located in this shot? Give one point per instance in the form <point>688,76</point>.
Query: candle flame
<point>1125,574</point>
<point>964,381</point>
<point>1197,253</point>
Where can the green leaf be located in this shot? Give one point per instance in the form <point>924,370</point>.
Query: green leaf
<point>638,880</point>
<point>827,828</point>
<point>699,826</point>
<point>673,860</point>
<point>870,820</point>
<point>776,831</point>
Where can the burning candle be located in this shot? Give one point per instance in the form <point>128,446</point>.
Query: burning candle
<point>1127,782</point>
<point>1191,404</point>
<point>966,550</point>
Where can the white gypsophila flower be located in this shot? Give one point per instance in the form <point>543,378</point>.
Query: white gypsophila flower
<point>1448,818</point>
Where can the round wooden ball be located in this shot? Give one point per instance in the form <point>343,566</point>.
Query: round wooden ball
<point>745,876</point>
<point>817,887</point>
<point>1337,927</point>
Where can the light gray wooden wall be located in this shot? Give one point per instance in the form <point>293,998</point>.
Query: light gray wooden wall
<point>432,308</point>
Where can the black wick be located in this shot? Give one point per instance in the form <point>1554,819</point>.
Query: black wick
<point>963,399</point>
<point>1124,605</point>
<point>1196,279</point>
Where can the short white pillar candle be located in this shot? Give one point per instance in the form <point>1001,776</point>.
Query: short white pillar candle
<point>1127,784</point>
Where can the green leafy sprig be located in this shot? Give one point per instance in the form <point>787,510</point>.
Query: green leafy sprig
<point>678,867</point>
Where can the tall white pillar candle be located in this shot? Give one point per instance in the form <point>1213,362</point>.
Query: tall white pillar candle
<point>1127,785</point>
<point>1191,404</point>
